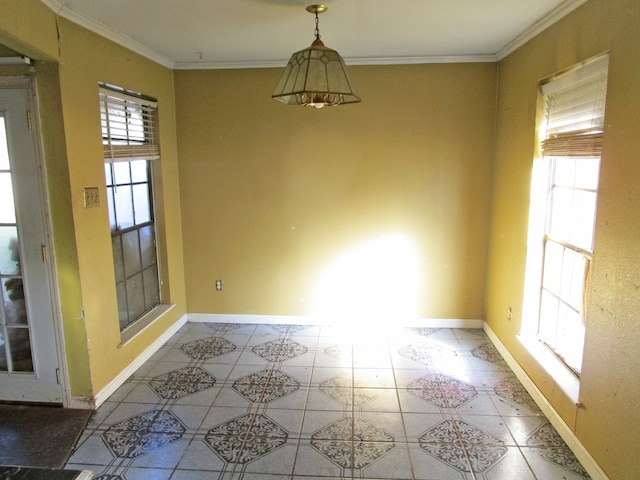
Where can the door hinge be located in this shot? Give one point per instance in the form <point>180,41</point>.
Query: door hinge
<point>44,253</point>
<point>58,376</point>
<point>29,123</point>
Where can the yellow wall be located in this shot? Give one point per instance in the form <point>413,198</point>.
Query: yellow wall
<point>273,194</point>
<point>74,159</point>
<point>608,425</point>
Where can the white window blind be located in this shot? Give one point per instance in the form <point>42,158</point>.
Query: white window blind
<point>575,105</point>
<point>128,127</point>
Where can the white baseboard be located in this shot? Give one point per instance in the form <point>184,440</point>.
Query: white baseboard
<point>310,320</point>
<point>99,398</point>
<point>581,453</point>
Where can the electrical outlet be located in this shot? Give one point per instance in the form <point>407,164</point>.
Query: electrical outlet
<point>219,285</point>
<point>91,197</point>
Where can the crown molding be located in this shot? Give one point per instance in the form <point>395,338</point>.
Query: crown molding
<point>538,27</point>
<point>349,61</point>
<point>59,7</point>
<point>103,30</point>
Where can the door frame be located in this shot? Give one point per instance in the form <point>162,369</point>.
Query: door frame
<point>28,82</point>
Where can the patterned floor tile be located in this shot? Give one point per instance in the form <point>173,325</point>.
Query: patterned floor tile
<point>462,446</point>
<point>141,434</point>
<point>289,328</point>
<point>182,382</point>
<point>279,350</point>
<point>266,385</point>
<point>552,448</point>
<point>488,352</point>
<point>340,389</point>
<point>442,391</point>
<point>245,438</point>
<point>426,352</point>
<point>512,390</point>
<point>352,442</point>
<point>265,402</point>
<point>207,348</point>
<point>338,351</point>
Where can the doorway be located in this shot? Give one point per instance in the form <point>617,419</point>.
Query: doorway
<point>29,361</point>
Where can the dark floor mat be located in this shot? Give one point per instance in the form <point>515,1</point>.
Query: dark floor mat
<point>34,436</point>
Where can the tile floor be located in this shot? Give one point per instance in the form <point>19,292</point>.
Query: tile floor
<point>275,402</point>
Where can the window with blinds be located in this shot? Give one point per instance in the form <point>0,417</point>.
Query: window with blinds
<point>572,144</point>
<point>130,149</point>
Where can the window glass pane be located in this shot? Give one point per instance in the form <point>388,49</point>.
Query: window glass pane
<point>561,213</point>
<point>112,213</point>
<point>121,173</point>
<point>141,203</point>
<point>564,174</point>
<point>148,246</point>
<point>4,365</point>
<point>20,349</point>
<point>548,317</point>
<point>9,251</point>
<point>131,253</point>
<point>574,279</point>
<point>151,287</point>
<point>108,174</point>
<point>552,267</point>
<point>135,296</point>
<point>7,207</point>
<point>139,171</point>
<point>4,151</point>
<point>124,207</point>
<point>15,310</point>
<point>123,311</point>
<point>584,219</point>
<point>118,258</point>
<point>587,173</point>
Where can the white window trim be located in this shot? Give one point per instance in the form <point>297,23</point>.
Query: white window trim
<point>563,377</point>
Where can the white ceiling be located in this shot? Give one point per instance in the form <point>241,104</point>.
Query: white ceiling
<point>264,33</point>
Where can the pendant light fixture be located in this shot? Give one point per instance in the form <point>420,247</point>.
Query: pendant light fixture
<point>315,76</point>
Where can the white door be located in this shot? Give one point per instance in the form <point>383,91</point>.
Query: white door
<point>28,348</point>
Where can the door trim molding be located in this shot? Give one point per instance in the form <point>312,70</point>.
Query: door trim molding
<point>28,83</point>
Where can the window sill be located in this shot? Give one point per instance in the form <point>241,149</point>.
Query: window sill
<point>143,323</point>
<point>563,377</point>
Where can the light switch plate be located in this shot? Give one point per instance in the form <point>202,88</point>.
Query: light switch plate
<point>91,197</point>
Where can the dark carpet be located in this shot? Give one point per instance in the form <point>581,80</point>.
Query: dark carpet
<point>35,436</point>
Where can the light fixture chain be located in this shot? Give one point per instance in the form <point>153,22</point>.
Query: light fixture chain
<point>317,30</point>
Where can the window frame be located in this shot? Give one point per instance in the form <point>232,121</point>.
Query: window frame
<point>124,149</point>
<point>566,139</point>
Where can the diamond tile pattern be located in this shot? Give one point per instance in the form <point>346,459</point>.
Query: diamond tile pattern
<point>246,438</point>
<point>442,391</point>
<point>426,352</point>
<point>336,442</point>
<point>512,390</point>
<point>182,382</point>
<point>207,348</point>
<point>463,446</point>
<point>274,402</point>
<point>489,353</point>
<point>340,389</point>
<point>143,433</point>
<point>553,448</point>
<point>266,385</point>
<point>279,350</point>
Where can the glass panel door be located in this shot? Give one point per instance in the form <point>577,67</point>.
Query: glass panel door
<point>28,341</point>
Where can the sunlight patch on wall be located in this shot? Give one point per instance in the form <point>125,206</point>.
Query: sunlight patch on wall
<point>373,285</point>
